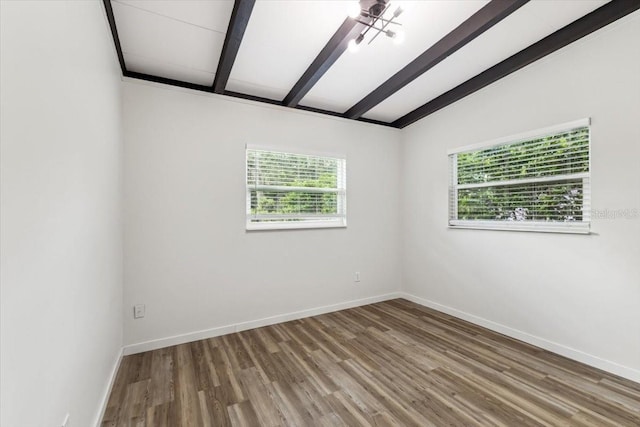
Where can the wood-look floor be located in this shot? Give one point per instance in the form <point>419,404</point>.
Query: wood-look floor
<point>391,363</point>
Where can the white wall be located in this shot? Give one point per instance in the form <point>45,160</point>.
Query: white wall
<point>187,254</point>
<point>61,270</point>
<point>581,292</point>
<point>188,257</point>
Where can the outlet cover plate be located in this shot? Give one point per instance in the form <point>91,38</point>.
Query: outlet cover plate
<point>138,311</point>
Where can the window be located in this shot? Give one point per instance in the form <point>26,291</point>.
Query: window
<point>290,190</point>
<point>538,181</point>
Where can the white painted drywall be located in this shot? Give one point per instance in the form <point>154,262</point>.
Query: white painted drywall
<point>60,196</point>
<point>188,257</point>
<point>187,254</point>
<point>581,292</point>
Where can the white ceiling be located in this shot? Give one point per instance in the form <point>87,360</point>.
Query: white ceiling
<point>354,75</point>
<point>183,39</point>
<point>180,40</point>
<point>282,39</point>
<point>527,25</point>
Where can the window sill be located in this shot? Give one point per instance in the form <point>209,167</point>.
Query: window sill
<point>263,226</point>
<point>539,227</point>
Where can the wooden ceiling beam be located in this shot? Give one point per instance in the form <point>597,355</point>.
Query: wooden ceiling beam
<point>478,23</point>
<point>581,27</point>
<point>335,47</point>
<point>237,25</point>
<point>114,33</point>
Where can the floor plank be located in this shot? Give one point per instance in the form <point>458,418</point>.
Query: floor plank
<point>393,363</point>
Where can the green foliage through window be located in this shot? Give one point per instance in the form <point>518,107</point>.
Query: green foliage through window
<point>288,187</point>
<point>541,179</point>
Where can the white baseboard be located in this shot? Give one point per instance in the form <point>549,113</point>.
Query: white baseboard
<point>580,356</point>
<point>107,391</point>
<point>243,326</point>
<point>571,353</point>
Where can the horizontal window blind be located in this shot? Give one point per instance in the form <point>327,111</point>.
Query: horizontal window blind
<point>541,183</point>
<point>290,190</point>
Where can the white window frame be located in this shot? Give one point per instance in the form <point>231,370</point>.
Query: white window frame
<point>578,227</point>
<point>340,220</point>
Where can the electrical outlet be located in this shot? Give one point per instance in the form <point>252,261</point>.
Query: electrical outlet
<point>138,311</point>
<point>356,277</point>
<point>65,423</point>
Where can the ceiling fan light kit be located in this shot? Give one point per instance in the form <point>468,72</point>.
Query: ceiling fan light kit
<point>371,14</point>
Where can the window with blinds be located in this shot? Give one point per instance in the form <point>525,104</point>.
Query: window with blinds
<point>537,181</point>
<point>292,190</point>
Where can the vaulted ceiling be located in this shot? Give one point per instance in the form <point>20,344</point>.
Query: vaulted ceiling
<point>294,52</point>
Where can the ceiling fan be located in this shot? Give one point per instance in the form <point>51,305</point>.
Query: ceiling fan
<point>372,14</point>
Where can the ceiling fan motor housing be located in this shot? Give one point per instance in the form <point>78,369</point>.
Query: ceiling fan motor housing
<point>374,7</point>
